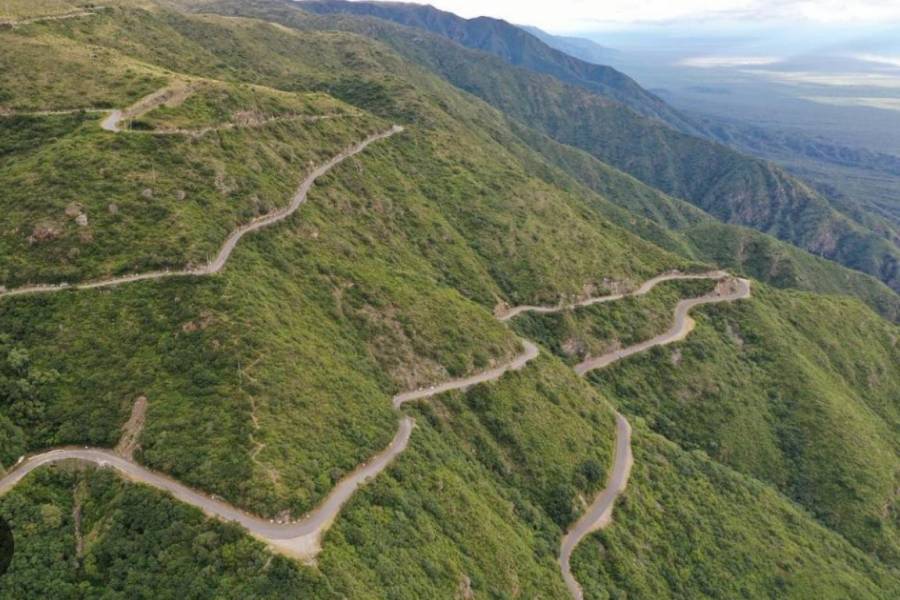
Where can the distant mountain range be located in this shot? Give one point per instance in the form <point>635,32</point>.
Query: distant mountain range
<point>518,47</point>
<point>583,48</point>
<point>600,110</point>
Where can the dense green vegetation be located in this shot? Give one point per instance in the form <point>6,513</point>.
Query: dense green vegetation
<point>147,202</point>
<point>682,228</point>
<point>795,389</point>
<point>690,528</point>
<point>748,252</point>
<point>480,496</point>
<point>271,380</point>
<point>474,504</point>
<point>517,47</point>
<point>648,212</point>
<point>214,104</point>
<point>593,330</point>
<point>87,534</point>
<point>725,183</point>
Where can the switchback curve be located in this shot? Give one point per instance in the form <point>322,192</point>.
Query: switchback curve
<point>728,290</point>
<point>599,514</point>
<point>644,289</point>
<point>302,538</point>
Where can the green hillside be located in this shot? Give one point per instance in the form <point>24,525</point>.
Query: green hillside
<point>691,528</point>
<point>730,186</point>
<point>471,506</point>
<point>791,388</point>
<point>518,47</point>
<point>268,382</point>
<point>384,280</point>
<point>684,229</point>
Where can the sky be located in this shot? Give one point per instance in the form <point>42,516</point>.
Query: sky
<point>573,16</point>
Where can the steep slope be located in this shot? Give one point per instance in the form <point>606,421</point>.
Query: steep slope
<point>856,181</point>
<point>684,531</point>
<point>269,380</point>
<point>661,210</point>
<point>680,227</point>
<point>769,387</point>
<point>583,48</point>
<point>779,396</point>
<point>393,240</point>
<point>726,184</point>
<point>456,526</point>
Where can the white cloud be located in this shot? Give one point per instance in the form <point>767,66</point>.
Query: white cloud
<point>714,62</point>
<point>874,80</point>
<point>882,103</point>
<point>581,15</point>
<point>893,61</point>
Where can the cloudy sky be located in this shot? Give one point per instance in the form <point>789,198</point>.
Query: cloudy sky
<point>586,15</point>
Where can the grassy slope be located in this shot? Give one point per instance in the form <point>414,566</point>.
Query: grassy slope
<point>400,254</point>
<point>749,252</point>
<point>30,8</point>
<point>480,494</point>
<point>382,282</point>
<point>151,201</point>
<point>682,228</point>
<point>770,387</point>
<point>622,199</point>
<point>593,330</point>
<point>690,528</point>
<point>518,47</point>
<point>473,504</point>
<point>730,186</point>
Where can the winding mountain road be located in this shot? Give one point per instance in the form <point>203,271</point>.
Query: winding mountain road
<point>599,514</point>
<point>644,289</point>
<point>60,17</point>
<point>302,538</point>
<point>726,291</point>
<point>229,244</point>
<point>531,352</point>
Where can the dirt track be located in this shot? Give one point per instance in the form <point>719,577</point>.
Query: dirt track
<point>229,244</point>
<point>302,538</point>
<point>682,326</point>
<point>599,514</point>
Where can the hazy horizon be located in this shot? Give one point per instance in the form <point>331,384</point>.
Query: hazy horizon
<point>579,16</point>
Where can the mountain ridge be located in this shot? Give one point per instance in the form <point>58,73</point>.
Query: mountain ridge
<point>726,184</point>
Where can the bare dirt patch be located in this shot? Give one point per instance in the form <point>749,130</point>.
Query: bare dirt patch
<point>131,431</point>
<point>45,231</point>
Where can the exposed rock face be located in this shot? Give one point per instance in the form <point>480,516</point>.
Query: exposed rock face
<point>45,231</point>
<point>74,209</point>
